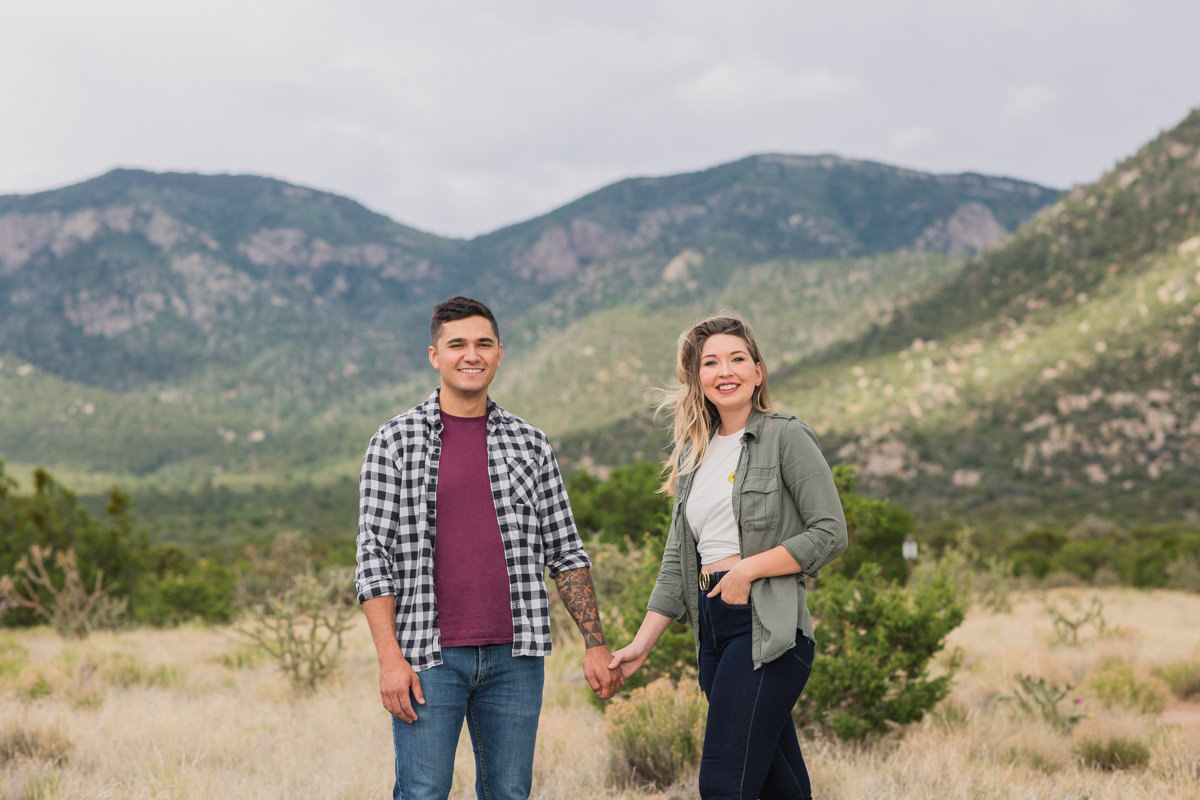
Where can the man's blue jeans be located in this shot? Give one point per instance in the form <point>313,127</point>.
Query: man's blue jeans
<point>750,745</point>
<point>500,697</point>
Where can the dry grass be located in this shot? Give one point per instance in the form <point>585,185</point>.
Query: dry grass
<point>186,714</point>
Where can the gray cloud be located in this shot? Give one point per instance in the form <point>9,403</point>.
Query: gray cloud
<point>462,117</point>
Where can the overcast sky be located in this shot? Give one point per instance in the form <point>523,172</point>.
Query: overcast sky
<point>461,117</point>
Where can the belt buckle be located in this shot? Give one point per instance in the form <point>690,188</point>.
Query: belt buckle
<point>705,581</point>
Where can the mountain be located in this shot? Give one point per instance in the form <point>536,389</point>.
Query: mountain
<point>174,326</point>
<point>1057,374</point>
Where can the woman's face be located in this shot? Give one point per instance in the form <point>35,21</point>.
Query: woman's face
<point>728,375</point>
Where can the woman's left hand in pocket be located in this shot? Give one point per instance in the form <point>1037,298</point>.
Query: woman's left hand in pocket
<point>733,588</point>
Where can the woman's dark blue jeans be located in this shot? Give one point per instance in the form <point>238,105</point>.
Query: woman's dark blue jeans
<point>750,746</point>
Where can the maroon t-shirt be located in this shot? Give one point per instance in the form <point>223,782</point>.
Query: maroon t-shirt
<point>470,575</point>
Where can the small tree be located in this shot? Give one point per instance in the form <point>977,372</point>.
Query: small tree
<point>876,643</point>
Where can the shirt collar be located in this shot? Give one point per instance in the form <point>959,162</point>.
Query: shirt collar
<point>431,410</point>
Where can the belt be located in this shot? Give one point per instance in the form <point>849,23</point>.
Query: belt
<point>708,580</point>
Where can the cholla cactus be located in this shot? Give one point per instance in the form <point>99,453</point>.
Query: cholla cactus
<point>301,628</point>
<point>68,604</point>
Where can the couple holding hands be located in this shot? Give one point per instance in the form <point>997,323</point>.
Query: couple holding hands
<point>462,508</point>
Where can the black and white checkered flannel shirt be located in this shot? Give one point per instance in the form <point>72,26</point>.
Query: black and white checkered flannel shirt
<point>397,522</point>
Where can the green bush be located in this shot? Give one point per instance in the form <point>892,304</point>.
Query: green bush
<point>1110,753</point>
<point>876,531</point>
<point>199,589</point>
<point>1033,552</point>
<point>1183,677</point>
<point>1117,686</point>
<point>1082,557</point>
<point>622,508</point>
<point>876,643</point>
<point>657,733</point>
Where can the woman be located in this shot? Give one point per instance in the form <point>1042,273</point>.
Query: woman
<point>755,510</point>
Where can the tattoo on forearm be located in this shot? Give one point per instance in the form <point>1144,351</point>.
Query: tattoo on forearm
<point>579,596</point>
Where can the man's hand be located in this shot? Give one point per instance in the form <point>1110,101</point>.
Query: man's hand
<point>605,682</point>
<point>398,687</point>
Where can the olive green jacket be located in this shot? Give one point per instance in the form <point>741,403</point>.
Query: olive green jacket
<point>783,494</point>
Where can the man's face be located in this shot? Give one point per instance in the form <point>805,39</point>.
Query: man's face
<point>466,355</point>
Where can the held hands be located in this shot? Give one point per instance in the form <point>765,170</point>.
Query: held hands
<point>628,659</point>
<point>398,687</point>
<point>604,680</point>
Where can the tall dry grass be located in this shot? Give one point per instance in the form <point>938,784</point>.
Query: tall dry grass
<point>191,713</point>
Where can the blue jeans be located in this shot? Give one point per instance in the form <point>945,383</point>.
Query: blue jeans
<point>500,697</point>
<point>750,745</point>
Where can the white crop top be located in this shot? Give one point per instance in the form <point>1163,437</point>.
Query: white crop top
<point>710,500</point>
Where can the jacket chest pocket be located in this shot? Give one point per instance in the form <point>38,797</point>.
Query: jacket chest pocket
<point>760,500</point>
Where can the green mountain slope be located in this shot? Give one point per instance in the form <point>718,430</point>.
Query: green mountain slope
<point>177,327</point>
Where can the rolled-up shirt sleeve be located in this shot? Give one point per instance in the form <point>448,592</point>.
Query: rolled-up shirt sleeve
<point>379,511</point>
<point>562,545</point>
<point>808,478</point>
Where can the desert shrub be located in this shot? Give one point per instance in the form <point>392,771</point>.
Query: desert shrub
<point>876,643</point>
<point>1052,703</point>
<point>1112,752</point>
<point>58,594</point>
<point>656,733</point>
<point>40,745</point>
<point>297,613</point>
<point>1117,686</point>
<point>1183,678</point>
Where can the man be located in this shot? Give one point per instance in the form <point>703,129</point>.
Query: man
<point>462,506</point>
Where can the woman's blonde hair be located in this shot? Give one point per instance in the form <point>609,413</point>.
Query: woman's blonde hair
<point>694,417</point>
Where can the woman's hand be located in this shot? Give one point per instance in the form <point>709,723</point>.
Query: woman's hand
<point>734,586</point>
<point>628,659</point>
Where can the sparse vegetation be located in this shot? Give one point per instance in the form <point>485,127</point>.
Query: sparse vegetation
<point>656,733</point>
<point>237,731</point>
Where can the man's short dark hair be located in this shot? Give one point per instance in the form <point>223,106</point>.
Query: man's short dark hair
<point>459,308</point>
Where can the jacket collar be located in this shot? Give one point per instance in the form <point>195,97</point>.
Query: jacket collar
<point>754,425</point>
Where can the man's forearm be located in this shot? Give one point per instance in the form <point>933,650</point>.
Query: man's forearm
<point>579,596</point>
<point>381,619</point>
